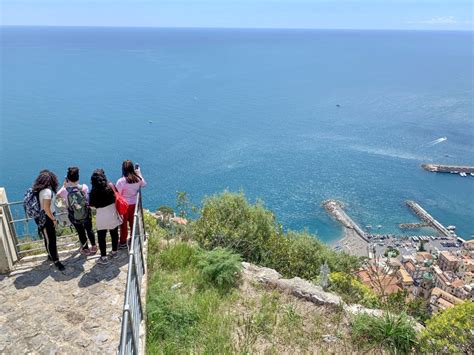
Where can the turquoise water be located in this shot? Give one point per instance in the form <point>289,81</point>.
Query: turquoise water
<point>248,109</point>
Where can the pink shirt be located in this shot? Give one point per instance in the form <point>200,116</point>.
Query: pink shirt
<point>129,191</point>
<point>63,192</point>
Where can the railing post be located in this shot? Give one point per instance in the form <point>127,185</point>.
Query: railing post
<point>8,249</point>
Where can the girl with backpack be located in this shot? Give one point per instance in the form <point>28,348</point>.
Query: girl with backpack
<point>102,197</point>
<point>76,197</point>
<point>44,188</point>
<point>128,186</point>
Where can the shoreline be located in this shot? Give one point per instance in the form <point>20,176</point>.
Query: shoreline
<point>351,243</point>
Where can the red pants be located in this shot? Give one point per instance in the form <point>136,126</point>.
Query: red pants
<point>127,221</point>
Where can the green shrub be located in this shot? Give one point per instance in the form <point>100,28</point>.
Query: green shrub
<point>302,254</point>
<point>228,220</point>
<point>352,290</point>
<point>169,314</point>
<point>450,331</point>
<point>178,256</point>
<point>399,301</point>
<point>166,210</point>
<point>394,252</point>
<point>220,267</point>
<point>394,333</point>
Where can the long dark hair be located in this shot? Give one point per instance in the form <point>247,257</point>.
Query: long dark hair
<point>46,180</point>
<point>128,172</point>
<point>99,180</point>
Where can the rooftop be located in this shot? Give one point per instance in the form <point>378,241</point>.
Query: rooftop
<point>449,256</point>
<point>437,292</point>
<point>405,276</point>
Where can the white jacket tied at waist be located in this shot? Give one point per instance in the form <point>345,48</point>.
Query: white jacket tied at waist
<point>107,217</point>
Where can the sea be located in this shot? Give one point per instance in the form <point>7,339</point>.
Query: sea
<point>289,117</point>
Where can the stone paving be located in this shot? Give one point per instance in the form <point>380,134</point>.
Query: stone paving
<point>79,310</point>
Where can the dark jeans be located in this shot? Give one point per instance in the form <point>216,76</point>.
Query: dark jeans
<point>102,234</point>
<point>49,235</point>
<point>83,229</point>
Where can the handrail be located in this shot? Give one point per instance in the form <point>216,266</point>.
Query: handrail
<point>133,313</point>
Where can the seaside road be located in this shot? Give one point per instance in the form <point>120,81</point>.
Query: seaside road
<point>43,310</point>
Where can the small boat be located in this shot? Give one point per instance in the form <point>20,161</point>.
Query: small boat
<point>150,121</point>
<point>472,174</point>
<point>462,174</point>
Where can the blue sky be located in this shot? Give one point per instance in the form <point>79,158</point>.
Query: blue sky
<point>349,14</point>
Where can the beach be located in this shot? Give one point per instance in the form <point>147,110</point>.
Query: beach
<point>351,243</point>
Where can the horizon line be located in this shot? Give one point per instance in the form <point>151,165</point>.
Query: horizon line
<point>248,28</point>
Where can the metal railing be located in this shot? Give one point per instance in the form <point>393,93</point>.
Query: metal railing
<point>25,231</point>
<point>133,312</point>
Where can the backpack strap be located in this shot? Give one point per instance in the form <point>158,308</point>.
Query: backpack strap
<point>112,186</point>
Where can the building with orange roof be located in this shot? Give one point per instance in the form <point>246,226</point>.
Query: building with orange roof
<point>423,256</point>
<point>415,269</point>
<point>379,280</point>
<point>468,248</point>
<point>441,300</point>
<point>405,280</point>
<point>466,270</point>
<point>448,261</point>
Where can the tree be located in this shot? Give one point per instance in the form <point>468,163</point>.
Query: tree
<point>421,247</point>
<point>391,252</point>
<point>450,331</point>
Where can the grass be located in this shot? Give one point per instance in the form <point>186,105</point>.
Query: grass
<point>395,333</point>
<point>183,317</point>
<point>188,311</point>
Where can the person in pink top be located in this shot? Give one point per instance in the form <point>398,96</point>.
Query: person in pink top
<point>128,186</point>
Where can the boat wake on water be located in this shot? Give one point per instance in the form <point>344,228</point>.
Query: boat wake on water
<point>436,141</point>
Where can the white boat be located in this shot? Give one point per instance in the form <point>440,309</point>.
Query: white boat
<point>462,174</point>
<point>472,174</point>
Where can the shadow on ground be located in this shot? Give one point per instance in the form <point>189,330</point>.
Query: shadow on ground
<point>107,272</point>
<point>33,277</point>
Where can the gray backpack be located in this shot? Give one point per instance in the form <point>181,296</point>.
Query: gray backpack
<point>78,207</point>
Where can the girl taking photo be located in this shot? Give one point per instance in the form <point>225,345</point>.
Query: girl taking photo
<point>128,186</point>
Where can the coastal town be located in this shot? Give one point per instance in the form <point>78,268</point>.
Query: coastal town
<point>437,267</point>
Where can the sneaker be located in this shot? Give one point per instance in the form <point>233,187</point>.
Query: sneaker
<point>85,252</point>
<point>113,255</point>
<point>103,260</point>
<point>93,250</point>
<point>59,265</point>
<point>123,246</point>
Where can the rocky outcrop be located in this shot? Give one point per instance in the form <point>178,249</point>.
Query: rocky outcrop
<point>296,286</point>
<point>305,290</point>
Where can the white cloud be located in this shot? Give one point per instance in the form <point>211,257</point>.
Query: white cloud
<point>440,20</point>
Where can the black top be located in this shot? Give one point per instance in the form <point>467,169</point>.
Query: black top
<point>99,198</point>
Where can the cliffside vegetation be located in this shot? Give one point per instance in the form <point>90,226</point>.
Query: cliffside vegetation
<point>199,301</point>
